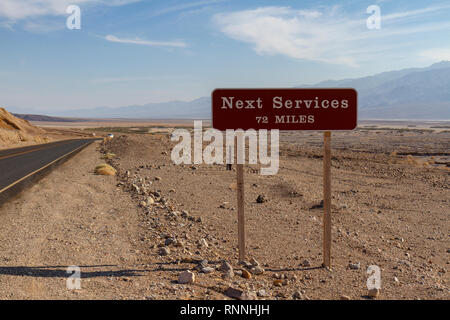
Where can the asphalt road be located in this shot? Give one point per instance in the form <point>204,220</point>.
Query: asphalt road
<point>21,163</point>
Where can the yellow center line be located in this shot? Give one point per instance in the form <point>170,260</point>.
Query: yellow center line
<point>29,151</point>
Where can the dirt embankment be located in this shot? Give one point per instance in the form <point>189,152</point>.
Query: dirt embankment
<point>15,131</point>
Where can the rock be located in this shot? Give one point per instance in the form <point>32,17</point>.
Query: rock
<point>202,243</point>
<point>228,274</point>
<point>143,204</point>
<point>233,293</point>
<point>207,270</point>
<point>225,266</point>
<point>239,294</point>
<point>306,263</point>
<point>238,273</point>
<point>374,293</point>
<point>184,214</point>
<point>261,199</point>
<point>135,188</point>
<point>246,274</point>
<point>203,263</point>
<point>157,178</point>
<point>396,280</point>
<point>150,200</point>
<point>186,277</point>
<point>169,241</point>
<point>246,264</point>
<point>278,283</point>
<point>262,293</point>
<point>254,262</point>
<point>318,206</point>
<point>354,266</point>
<point>297,295</point>
<point>345,298</point>
<point>178,244</point>
<point>164,251</point>
<point>257,270</point>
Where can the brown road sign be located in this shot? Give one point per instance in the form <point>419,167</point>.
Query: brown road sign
<point>285,109</point>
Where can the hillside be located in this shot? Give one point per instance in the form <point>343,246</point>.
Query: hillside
<point>15,131</point>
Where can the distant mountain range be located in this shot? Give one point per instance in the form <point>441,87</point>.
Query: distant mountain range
<point>414,93</point>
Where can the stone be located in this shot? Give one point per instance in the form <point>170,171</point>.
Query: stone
<point>254,262</point>
<point>207,270</point>
<point>203,263</point>
<point>233,293</point>
<point>278,282</point>
<point>246,274</point>
<point>257,270</point>
<point>374,293</point>
<point>354,266</point>
<point>202,243</point>
<point>225,266</point>
<point>164,251</point>
<point>150,200</point>
<point>246,264</point>
<point>239,294</point>
<point>306,263</point>
<point>261,199</point>
<point>136,188</point>
<point>169,241</point>
<point>186,277</point>
<point>228,274</point>
<point>297,295</point>
<point>345,298</point>
<point>157,178</point>
<point>262,293</point>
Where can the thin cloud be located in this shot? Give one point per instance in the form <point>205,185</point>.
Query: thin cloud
<point>413,13</point>
<point>326,35</point>
<point>149,43</point>
<point>132,79</point>
<point>186,6</point>
<point>16,10</point>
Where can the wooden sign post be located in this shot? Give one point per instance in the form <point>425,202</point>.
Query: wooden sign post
<point>323,109</point>
<point>241,216</point>
<point>327,199</point>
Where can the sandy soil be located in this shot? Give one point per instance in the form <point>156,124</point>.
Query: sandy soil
<point>389,210</point>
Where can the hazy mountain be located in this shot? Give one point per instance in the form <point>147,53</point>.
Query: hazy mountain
<point>414,93</point>
<point>196,109</point>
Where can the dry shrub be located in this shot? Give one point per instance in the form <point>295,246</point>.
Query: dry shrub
<point>105,170</point>
<point>109,156</point>
<point>411,160</point>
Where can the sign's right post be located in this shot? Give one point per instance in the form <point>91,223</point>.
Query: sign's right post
<point>327,199</point>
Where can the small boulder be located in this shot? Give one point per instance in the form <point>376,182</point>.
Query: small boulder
<point>186,277</point>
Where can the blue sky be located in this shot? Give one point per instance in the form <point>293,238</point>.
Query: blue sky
<point>140,51</point>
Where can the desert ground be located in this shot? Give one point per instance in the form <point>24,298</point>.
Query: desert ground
<point>133,234</point>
